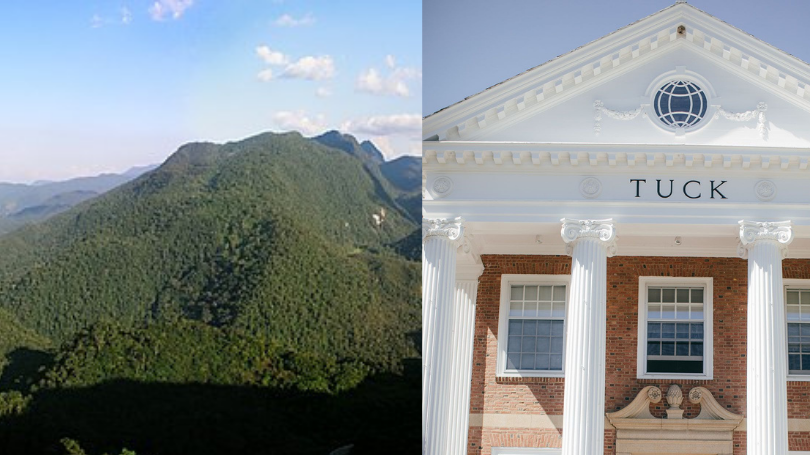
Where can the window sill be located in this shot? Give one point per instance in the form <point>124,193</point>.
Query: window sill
<point>798,378</point>
<point>689,376</point>
<point>528,379</point>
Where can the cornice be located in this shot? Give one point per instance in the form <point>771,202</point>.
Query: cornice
<point>513,156</point>
<point>553,82</point>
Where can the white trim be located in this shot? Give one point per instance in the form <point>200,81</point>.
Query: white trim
<point>708,335</point>
<point>507,280</point>
<point>793,283</point>
<point>535,450</point>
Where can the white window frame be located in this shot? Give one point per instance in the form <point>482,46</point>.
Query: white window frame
<point>708,324</point>
<point>507,280</point>
<point>528,451</point>
<point>792,283</point>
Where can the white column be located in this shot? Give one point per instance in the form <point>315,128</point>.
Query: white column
<point>589,242</point>
<point>463,331</point>
<point>765,244</point>
<point>440,240</point>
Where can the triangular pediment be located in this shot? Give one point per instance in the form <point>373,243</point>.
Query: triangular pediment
<point>604,92</point>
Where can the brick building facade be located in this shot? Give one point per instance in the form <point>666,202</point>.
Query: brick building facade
<point>616,251</point>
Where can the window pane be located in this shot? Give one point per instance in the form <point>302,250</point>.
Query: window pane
<point>804,297</point>
<point>668,330</point>
<point>653,348</point>
<point>696,311</point>
<point>545,293</point>
<point>557,328</point>
<point>683,296</point>
<point>682,348</point>
<point>556,345</point>
<point>515,328</point>
<point>556,362</point>
<point>682,312</point>
<point>653,295</point>
<point>531,293</point>
<point>543,309</point>
<point>529,327</point>
<point>697,349</point>
<point>682,330</point>
<point>558,310</point>
<point>653,330</point>
<point>528,344</point>
<point>805,345</point>
<point>530,310</point>
<point>513,361</point>
<point>542,362</point>
<point>544,328</point>
<point>794,347</point>
<point>668,295</point>
<point>794,362</point>
<point>517,292</point>
<point>516,309</point>
<point>793,297</point>
<point>527,361</point>
<point>805,330</point>
<point>668,312</point>
<point>514,344</point>
<point>805,362</point>
<point>697,295</point>
<point>543,344</point>
<point>559,293</point>
<point>668,348</point>
<point>805,314</point>
<point>793,312</point>
<point>793,330</point>
<point>654,312</point>
<point>697,331</point>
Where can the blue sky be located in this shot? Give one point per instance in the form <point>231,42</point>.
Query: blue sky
<point>98,85</point>
<point>470,45</point>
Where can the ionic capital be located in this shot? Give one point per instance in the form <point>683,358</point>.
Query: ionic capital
<point>779,232</point>
<point>602,230</point>
<point>452,229</point>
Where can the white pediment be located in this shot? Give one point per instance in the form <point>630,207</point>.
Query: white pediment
<point>757,94</point>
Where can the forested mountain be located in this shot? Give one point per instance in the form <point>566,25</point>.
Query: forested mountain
<point>270,262</point>
<point>21,204</point>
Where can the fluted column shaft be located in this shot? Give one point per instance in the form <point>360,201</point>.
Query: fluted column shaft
<point>440,240</point>
<point>589,244</point>
<point>765,245</point>
<point>464,328</point>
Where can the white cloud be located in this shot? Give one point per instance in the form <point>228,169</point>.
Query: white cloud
<point>126,15</point>
<point>265,75</point>
<point>285,20</point>
<point>385,125</point>
<point>383,143</point>
<point>300,121</point>
<point>395,83</point>
<point>311,68</point>
<point>270,56</point>
<point>96,21</point>
<point>323,92</point>
<point>176,8</point>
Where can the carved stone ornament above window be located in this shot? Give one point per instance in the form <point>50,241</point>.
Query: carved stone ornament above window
<point>638,431</point>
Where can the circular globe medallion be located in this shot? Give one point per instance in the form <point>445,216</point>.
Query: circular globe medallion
<point>680,104</point>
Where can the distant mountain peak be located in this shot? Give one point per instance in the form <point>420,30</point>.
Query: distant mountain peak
<point>349,144</point>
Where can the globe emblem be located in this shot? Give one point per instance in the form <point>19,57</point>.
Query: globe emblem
<point>680,104</point>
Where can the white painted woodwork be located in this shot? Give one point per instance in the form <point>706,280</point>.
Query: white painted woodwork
<point>440,240</point>
<point>588,243</point>
<point>766,412</point>
<point>461,374</point>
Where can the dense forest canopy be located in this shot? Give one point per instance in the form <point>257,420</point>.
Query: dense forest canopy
<point>277,264</point>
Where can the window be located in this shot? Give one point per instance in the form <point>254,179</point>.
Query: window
<point>531,332</point>
<point>680,104</point>
<point>675,320</point>
<point>797,314</point>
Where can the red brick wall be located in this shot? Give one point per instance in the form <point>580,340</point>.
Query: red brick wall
<point>545,395</point>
